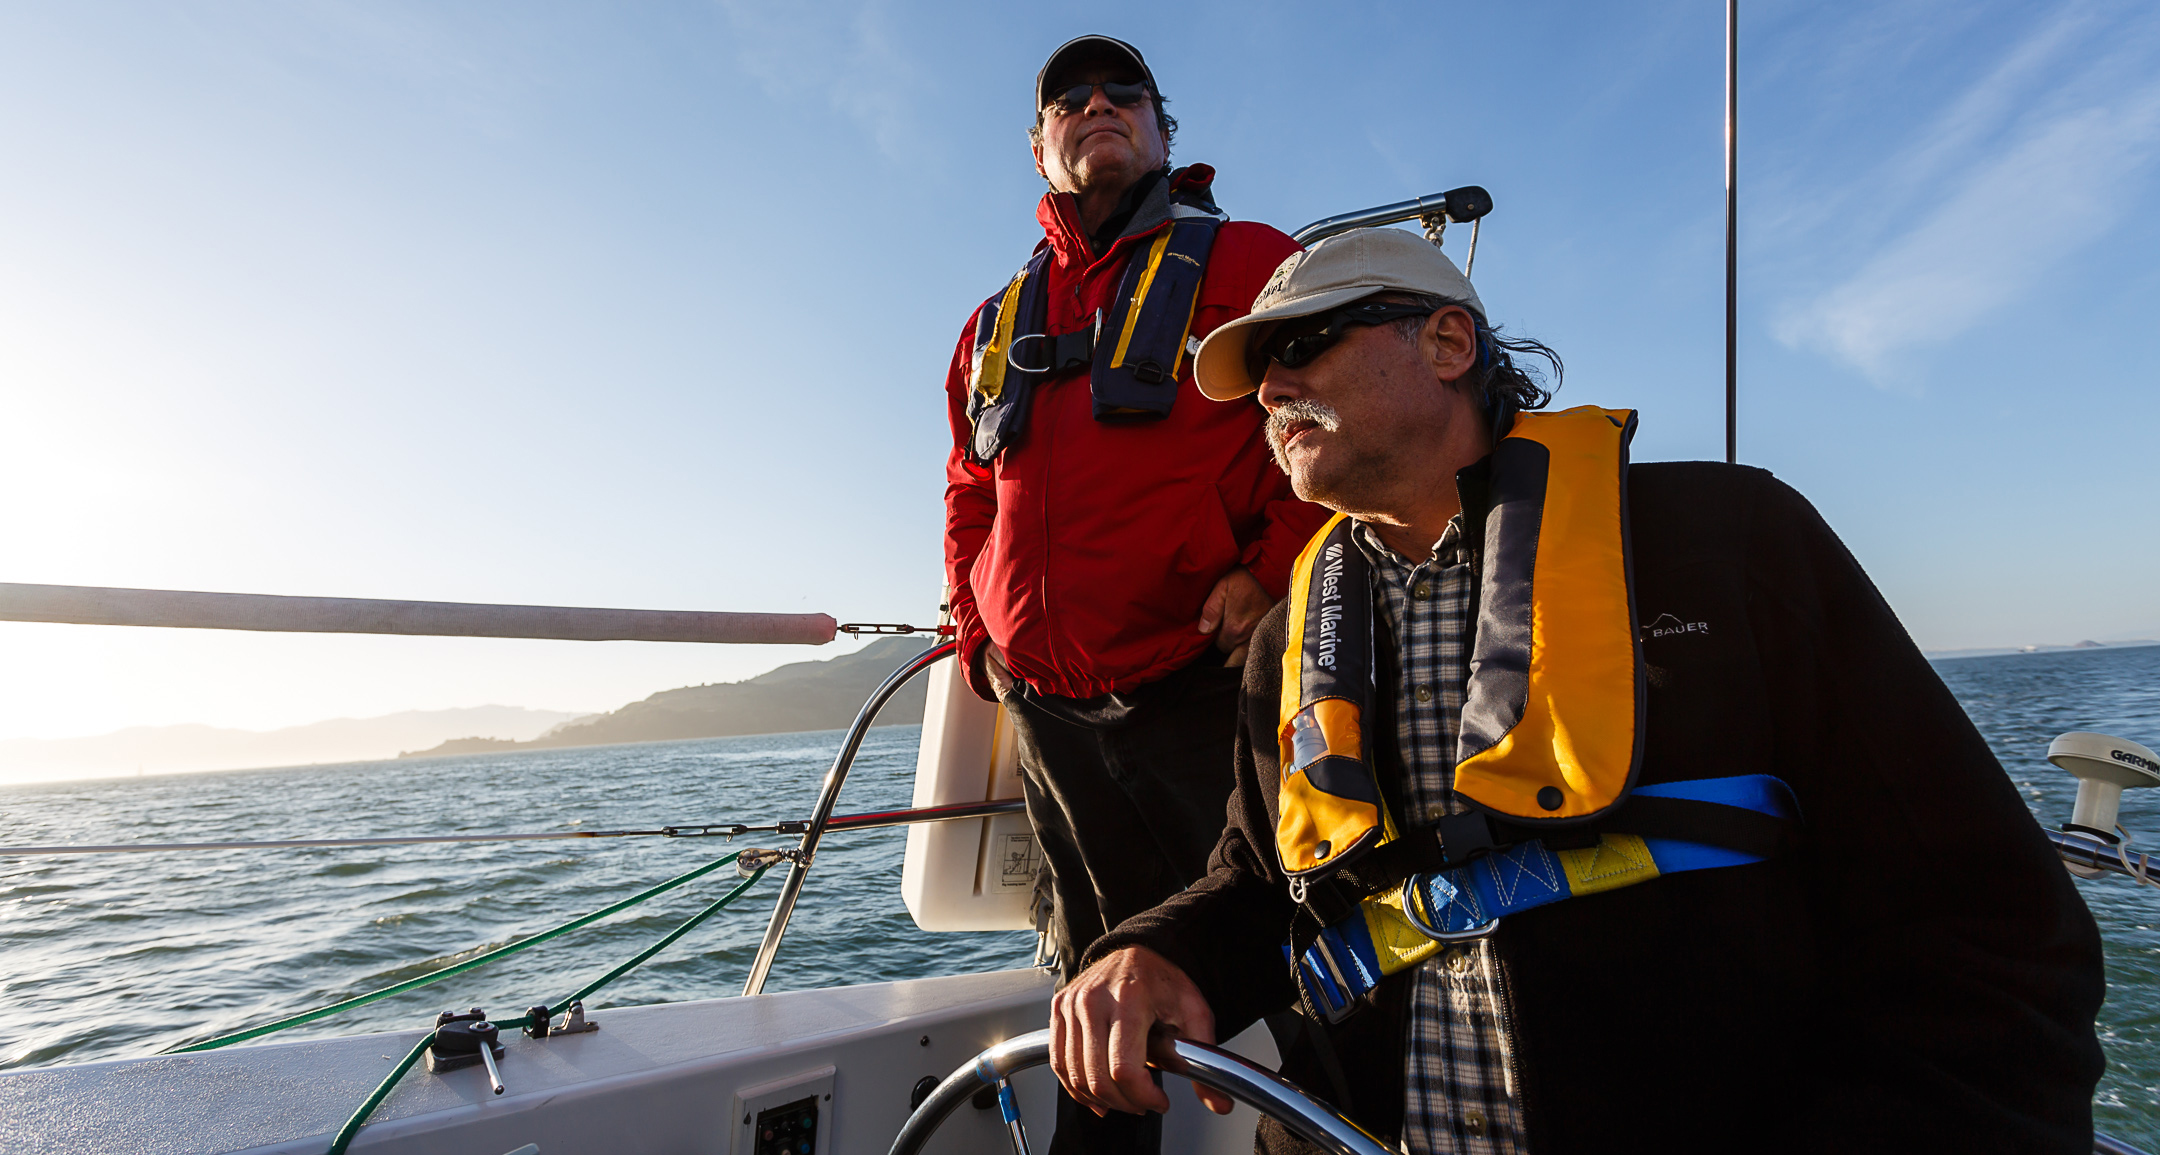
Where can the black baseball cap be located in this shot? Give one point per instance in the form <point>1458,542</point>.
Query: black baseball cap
<point>1081,48</point>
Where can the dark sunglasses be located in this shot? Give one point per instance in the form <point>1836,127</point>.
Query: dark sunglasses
<point>1294,344</point>
<point>1076,98</point>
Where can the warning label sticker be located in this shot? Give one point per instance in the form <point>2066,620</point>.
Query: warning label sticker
<point>1018,861</point>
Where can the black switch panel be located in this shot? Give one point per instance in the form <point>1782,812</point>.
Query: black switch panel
<point>789,1129</point>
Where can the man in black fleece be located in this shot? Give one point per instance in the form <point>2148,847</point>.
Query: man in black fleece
<point>1917,973</point>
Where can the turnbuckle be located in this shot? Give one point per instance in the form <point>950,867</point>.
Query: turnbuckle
<point>731,829</point>
<point>861,628</point>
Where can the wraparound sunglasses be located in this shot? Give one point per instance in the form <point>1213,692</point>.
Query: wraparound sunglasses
<point>1076,98</point>
<point>1294,344</point>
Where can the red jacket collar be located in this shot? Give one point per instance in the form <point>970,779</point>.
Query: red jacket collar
<point>1059,215</point>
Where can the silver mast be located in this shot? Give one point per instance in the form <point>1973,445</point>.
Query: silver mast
<point>1732,231</point>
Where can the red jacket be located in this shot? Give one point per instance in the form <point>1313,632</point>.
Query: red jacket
<point>1086,550</point>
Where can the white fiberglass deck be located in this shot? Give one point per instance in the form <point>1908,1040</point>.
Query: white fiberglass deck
<point>651,1080</point>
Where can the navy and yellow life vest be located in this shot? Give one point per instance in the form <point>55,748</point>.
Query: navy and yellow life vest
<point>1132,351</point>
<point>1551,734</point>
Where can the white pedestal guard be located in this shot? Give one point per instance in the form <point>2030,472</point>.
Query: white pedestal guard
<point>976,875</point>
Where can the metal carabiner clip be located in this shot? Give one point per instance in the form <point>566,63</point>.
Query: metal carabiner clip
<point>1412,897</point>
<point>1015,348</point>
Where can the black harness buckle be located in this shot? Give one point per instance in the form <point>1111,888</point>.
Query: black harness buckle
<point>1463,838</point>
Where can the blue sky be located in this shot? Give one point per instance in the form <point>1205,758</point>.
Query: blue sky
<point>649,305</point>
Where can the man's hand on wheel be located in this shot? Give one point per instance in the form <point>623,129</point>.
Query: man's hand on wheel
<point>1233,608</point>
<point>1120,1011</point>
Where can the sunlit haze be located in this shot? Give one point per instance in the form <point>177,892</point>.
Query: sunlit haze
<point>650,305</point>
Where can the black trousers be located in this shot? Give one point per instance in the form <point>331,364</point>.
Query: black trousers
<point>1126,793</point>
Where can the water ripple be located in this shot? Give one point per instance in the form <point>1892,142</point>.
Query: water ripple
<point>111,956</point>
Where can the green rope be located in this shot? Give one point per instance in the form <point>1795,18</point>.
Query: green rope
<point>657,947</point>
<point>456,969</point>
<point>382,1090</point>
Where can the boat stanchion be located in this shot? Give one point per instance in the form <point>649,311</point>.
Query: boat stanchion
<point>821,816</point>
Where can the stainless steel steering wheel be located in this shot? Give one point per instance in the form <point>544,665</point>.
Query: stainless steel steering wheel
<point>1235,1076</point>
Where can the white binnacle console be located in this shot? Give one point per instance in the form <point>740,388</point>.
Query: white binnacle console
<point>2105,767</point>
<point>976,874</point>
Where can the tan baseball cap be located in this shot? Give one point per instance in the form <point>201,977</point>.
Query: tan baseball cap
<point>1342,269</point>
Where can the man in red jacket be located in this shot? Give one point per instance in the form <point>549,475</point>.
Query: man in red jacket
<point>1111,537</point>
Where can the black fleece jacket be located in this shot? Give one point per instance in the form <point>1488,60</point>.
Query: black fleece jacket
<point>1920,974</point>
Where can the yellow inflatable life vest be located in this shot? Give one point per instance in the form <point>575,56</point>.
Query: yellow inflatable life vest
<point>1551,722</point>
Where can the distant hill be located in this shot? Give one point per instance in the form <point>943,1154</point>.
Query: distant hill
<point>800,696</point>
<point>178,749</point>
<point>1998,651</point>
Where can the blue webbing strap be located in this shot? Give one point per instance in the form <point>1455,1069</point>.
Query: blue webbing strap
<point>1467,902</point>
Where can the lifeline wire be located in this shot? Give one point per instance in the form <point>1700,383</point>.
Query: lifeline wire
<point>456,969</point>
<point>382,1090</point>
<point>870,820</point>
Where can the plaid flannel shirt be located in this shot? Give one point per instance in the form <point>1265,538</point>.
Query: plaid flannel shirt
<point>1459,1086</point>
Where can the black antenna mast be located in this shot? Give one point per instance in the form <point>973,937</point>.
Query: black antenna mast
<point>1732,232</point>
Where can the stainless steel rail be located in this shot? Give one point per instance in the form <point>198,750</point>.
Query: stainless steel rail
<point>1408,210</point>
<point>106,606</point>
<point>1413,209</point>
<point>821,818</point>
<point>867,821</point>
<point>1233,1075</point>
<point>2090,853</point>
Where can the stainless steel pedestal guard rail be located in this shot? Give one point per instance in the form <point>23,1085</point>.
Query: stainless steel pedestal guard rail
<point>1416,208</point>
<point>828,795</point>
<point>1212,1067</point>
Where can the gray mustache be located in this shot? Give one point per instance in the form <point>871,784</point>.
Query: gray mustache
<point>1280,420</point>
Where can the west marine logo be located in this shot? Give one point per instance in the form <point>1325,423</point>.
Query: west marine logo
<point>1667,625</point>
<point>1331,609</point>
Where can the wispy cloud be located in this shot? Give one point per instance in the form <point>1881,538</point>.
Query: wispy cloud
<point>850,56</point>
<point>2022,169</point>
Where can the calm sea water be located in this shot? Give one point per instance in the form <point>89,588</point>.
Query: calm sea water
<point>120,955</point>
